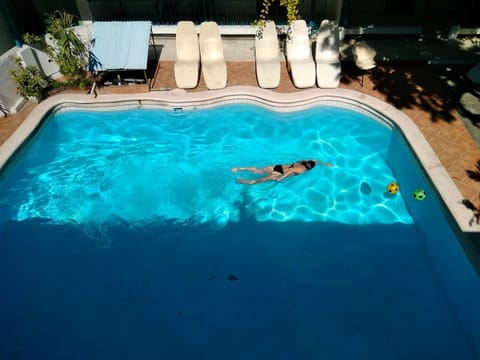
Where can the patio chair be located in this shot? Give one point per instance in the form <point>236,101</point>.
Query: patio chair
<point>474,74</point>
<point>327,55</point>
<point>364,58</point>
<point>470,100</point>
<point>187,64</point>
<point>214,69</point>
<point>299,55</point>
<point>267,57</point>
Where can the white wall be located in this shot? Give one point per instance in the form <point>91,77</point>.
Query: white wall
<point>34,57</point>
<point>8,91</point>
<point>9,99</point>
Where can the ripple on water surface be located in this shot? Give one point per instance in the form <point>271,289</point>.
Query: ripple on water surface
<point>145,165</point>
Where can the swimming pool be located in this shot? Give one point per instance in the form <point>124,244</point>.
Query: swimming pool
<point>128,228</point>
<point>81,165</point>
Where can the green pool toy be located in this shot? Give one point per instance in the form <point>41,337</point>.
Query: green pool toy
<point>419,194</point>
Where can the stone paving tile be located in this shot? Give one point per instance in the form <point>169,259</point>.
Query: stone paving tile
<point>10,123</point>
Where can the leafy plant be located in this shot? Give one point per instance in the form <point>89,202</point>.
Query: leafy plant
<point>66,48</point>
<point>290,5</point>
<point>32,39</point>
<point>29,81</point>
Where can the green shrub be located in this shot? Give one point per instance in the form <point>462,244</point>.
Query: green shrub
<point>29,81</point>
<point>68,51</point>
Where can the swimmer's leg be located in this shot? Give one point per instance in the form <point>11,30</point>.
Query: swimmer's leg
<point>246,182</point>
<point>257,181</point>
<point>253,169</point>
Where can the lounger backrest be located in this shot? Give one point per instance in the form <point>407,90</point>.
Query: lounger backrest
<point>211,45</point>
<point>327,42</point>
<point>298,44</point>
<point>186,41</point>
<point>267,46</point>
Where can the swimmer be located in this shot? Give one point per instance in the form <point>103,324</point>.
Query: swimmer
<point>278,172</point>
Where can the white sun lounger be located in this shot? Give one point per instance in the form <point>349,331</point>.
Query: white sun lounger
<point>299,55</point>
<point>187,64</point>
<point>267,57</point>
<point>214,69</point>
<point>327,55</point>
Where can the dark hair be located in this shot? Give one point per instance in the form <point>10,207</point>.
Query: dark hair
<point>309,164</point>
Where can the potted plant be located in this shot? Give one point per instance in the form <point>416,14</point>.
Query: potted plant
<point>29,81</point>
<point>290,5</point>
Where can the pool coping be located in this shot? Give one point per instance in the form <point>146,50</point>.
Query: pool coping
<point>182,99</point>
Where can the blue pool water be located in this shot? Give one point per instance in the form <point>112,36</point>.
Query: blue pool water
<point>125,235</point>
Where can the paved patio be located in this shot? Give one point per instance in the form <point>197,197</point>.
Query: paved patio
<point>428,94</point>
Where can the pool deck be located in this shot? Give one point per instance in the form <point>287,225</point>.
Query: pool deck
<point>422,92</point>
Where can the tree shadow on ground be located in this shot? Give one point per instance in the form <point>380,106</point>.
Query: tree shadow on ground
<point>475,174</point>
<point>435,89</point>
